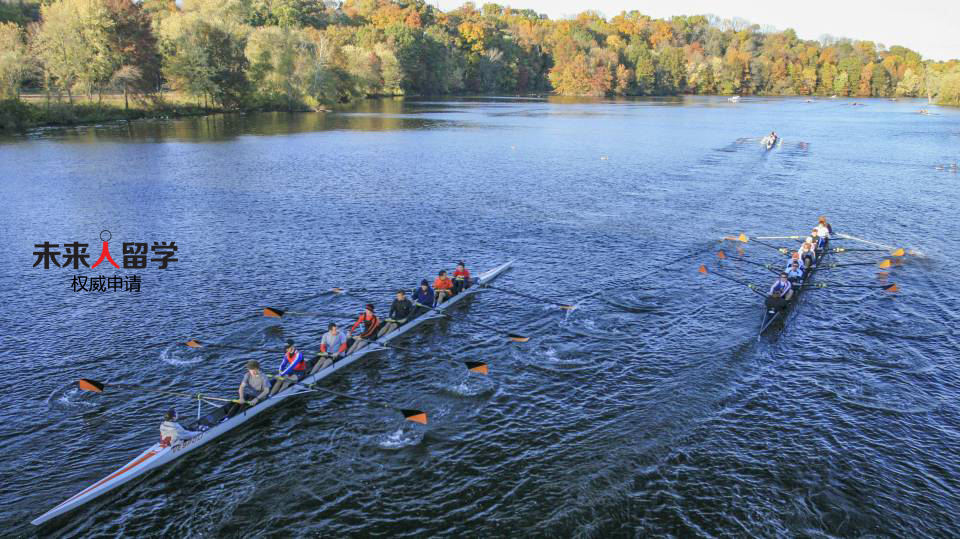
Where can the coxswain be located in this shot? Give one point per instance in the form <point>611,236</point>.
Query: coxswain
<point>370,325</point>
<point>807,254</point>
<point>400,311</point>
<point>292,367</point>
<point>253,388</point>
<point>332,347</point>
<point>794,273</point>
<point>424,294</point>
<point>172,432</point>
<point>824,227</point>
<point>443,287</point>
<point>461,278</point>
<point>780,292</point>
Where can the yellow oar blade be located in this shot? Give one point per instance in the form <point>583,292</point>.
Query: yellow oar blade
<point>568,307</point>
<point>898,252</point>
<point>885,264</point>
<point>743,238</point>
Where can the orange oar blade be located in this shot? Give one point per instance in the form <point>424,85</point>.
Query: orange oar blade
<point>885,264</point>
<point>193,343</point>
<point>517,338</point>
<point>417,416</point>
<point>898,252</point>
<point>90,385</point>
<point>891,288</point>
<point>336,290</point>
<point>568,307</point>
<point>721,255</point>
<point>743,238</point>
<point>703,268</point>
<point>477,366</point>
<point>270,312</point>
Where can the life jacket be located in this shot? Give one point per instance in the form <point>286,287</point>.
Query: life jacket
<point>442,283</point>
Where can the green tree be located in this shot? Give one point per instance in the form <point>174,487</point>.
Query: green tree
<point>14,60</point>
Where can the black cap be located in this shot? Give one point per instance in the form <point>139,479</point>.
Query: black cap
<point>424,282</point>
<point>370,306</point>
<point>170,415</point>
<point>289,343</point>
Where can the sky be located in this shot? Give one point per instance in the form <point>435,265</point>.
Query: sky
<point>931,28</point>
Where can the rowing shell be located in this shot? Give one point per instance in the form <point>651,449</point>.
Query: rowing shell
<point>770,316</point>
<point>160,454</point>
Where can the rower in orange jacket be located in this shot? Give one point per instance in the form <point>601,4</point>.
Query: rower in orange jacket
<point>442,287</point>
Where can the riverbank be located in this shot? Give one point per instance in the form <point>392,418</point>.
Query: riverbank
<point>18,115</point>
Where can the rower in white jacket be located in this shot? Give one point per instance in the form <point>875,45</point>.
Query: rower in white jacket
<point>172,432</point>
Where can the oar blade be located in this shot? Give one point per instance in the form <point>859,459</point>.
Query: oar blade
<point>567,307</point>
<point>477,366</point>
<point>271,312</point>
<point>892,287</point>
<point>885,264</point>
<point>743,238</point>
<point>898,252</point>
<point>417,416</point>
<point>703,268</point>
<point>193,343</point>
<point>721,255</point>
<point>90,385</point>
<point>337,290</point>
<point>517,338</point>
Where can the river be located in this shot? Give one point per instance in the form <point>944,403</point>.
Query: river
<point>651,410</point>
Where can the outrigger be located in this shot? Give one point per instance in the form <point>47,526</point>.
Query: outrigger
<point>215,424</point>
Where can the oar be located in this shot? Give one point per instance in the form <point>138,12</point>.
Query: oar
<point>512,336</point>
<point>473,366</point>
<point>564,306</point>
<point>273,312</point>
<point>86,384</point>
<point>743,238</point>
<point>751,286</point>
<point>193,343</point>
<point>892,287</point>
<point>885,264</point>
<point>410,414</point>
<point>895,252</point>
<point>723,256</point>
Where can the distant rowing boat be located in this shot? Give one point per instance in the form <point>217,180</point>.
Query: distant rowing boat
<point>159,454</point>
<point>769,141</point>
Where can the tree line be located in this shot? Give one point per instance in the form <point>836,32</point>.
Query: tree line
<point>292,54</point>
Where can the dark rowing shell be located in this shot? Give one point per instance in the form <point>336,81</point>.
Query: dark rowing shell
<point>773,319</point>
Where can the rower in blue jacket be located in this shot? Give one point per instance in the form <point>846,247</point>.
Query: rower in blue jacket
<point>424,295</point>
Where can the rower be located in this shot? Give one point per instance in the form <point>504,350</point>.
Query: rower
<point>807,253</point>
<point>780,292</point>
<point>292,366</point>
<point>172,432</point>
<point>332,346</point>
<point>424,294</point>
<point>443,287</point>
<point>461,278</point>
<point>370,324</point>
<point>794,273</point>
<point>795,257</point>
<point>818,240</point>
<point>400,311</point>
<point>824,227</point>
<point>253,388</point>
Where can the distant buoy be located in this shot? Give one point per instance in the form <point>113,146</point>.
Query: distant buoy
<point>604,158</point>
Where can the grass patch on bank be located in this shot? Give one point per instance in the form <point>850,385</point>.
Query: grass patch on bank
<point>19,115</point>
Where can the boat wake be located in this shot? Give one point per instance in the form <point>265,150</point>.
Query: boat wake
<point>179,355</point>
<point>400,438</point>
<point>468,386</point>
<point>70,398</point>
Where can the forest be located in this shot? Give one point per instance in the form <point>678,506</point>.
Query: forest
<point>302,54</point>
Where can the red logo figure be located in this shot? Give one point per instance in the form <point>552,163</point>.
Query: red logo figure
<point>105,253</point>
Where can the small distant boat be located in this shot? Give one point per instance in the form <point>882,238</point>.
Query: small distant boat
<point>734,99</point>
<point>834,96</point>
<point>769,141</point>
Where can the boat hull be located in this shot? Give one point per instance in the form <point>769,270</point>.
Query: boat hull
<point>773,319</point>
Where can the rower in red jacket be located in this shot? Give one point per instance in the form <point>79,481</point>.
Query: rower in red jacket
<point>461,278</point>
<point>291,366</point>
<point>370,324</point>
